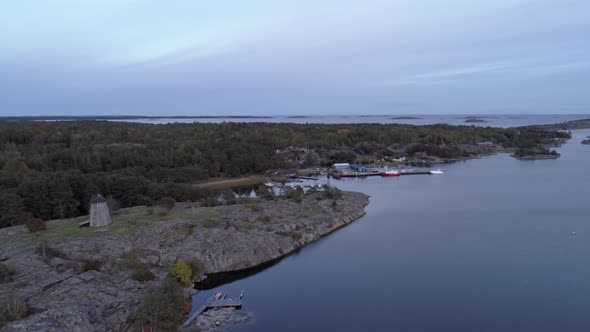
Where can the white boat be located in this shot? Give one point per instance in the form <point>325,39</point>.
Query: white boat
<point>436,172</point>
<point>390,173</point>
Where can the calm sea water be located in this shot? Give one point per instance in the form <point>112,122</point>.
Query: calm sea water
<point>491,120</point>
<point>488,246</point>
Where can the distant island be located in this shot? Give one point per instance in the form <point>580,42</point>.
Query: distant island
<point>475,120</point>
<point>536,154</point>
<point>406,118</point>
<point>568,125</point>
<point>123,117</point>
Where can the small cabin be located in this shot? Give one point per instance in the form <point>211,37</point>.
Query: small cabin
<point>486,145</point>
<point>341,166</point>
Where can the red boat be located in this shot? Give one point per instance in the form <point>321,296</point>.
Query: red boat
<point>390,173</point>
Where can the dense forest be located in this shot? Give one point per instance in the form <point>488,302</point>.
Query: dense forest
<point>50,169</point>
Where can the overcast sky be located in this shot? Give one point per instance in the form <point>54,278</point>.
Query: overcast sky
<point>299,57</point>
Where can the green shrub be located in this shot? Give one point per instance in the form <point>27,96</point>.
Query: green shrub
<point>47,253</point>
<point>254,207</point>
<point>142,274</point>
<point>265,219</point>
<point>209,223</point>
<point>6,273</point>
<point>293,235</point>
<point>295,195</point>
<point>335,205</point>
<point>197,268</point>
<point>91,264</point>
<point>210,201</point>
<point>263,192</point>
<point>163,307</point>
<point>130,261</point>
<point>12,308</point>
<point>332,192</point>
<point>186,228</point>
<point>67,265</point>
<point>229,197</point>
<point>181,271</point>
<point>246,200</point>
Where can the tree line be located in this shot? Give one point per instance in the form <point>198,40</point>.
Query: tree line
<point>50,169</point>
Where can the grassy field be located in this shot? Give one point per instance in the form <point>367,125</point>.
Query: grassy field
<point>125,223</point>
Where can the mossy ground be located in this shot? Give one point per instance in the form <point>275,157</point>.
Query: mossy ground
<point>126,223</point>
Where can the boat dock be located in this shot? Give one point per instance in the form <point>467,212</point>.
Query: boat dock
<point>365,174</point>
<point>359,174</point>
<point>306,178</point>
<point>416,173</point>
<point>212,304</point>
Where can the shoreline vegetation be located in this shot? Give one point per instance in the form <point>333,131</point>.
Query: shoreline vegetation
<point>70,278</point>
<point>49,170</point>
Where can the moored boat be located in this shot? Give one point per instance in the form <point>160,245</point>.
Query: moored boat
<point>436,172</point>
<point>390,173</point>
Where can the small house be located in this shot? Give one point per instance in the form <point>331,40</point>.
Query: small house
<point>341,166</point>
<point>486,145</point>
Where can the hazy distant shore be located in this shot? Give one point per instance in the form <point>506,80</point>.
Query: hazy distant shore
<point>125,117</point>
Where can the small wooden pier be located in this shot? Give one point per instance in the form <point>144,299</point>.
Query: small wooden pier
<point>359,174</point>
<point>213,303</point>
<point>365,174</point>
<point>306,178</point>
<point>416,173</point>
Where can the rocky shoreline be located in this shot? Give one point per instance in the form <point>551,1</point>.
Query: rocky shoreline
<point>63,294</point>
<point>538,157</point>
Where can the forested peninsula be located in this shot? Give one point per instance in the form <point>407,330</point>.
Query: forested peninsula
<point>49,170</point>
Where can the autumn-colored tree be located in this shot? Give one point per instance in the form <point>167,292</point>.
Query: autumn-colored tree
<point>343,132</point>
<point>167,203</point>
<point>182,272</point>
<point>35,225</point>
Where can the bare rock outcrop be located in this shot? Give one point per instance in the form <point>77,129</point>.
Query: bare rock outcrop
<point>64,294</point>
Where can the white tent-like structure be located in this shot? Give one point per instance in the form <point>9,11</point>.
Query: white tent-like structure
<point>99,211</point>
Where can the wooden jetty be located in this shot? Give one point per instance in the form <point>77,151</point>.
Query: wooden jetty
<point>415,173</point>
<point>306,178</point>
<point>359,174</point>
<point>211,304</point>
<point>365,174</point>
